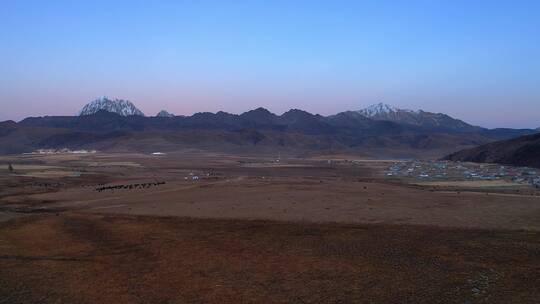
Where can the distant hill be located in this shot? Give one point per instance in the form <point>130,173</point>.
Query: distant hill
<point>521,151</point>
<point>164,113</point>
<point>7,127</point>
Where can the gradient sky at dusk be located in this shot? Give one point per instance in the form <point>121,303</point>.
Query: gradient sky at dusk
<point>475,60</point>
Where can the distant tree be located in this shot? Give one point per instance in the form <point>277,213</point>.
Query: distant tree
<point>10,168</point>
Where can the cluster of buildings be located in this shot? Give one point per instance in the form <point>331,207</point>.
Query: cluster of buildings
<point>196,176</point>
<point>447,170</point>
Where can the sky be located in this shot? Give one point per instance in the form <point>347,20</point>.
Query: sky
<point>474,60</point>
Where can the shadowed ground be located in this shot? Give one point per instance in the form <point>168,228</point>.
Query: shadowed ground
<point>74,258</point>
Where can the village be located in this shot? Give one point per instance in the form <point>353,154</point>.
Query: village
<point>448,170</point>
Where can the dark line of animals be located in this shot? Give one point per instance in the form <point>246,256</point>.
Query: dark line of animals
<point>129,186</point>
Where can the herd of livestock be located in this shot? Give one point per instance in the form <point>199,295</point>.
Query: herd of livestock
<point>128,186</point>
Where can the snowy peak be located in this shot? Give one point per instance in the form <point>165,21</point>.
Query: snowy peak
<point>381,109</point>
<point>119,106</point>
<point>376,109</point>
<point>419,118</point>
<point>164,113</point>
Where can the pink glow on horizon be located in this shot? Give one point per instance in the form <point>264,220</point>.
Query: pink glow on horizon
<point>190,102</point>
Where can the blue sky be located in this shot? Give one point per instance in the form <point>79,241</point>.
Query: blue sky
<point>475,60</point>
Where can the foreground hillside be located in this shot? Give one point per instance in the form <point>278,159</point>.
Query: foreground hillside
<point>127,259</point>
<point>521,151</point>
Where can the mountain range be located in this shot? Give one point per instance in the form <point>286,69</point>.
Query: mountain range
<point>417,118</point>
<point>379,130</point>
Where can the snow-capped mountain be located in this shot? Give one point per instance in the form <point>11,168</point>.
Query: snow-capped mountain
<point>164,113</point>
<point>380,109</point>
<point>420,118</point>
<point>118,106</point>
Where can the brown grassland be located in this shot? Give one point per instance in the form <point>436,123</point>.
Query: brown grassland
<point>197,227</point>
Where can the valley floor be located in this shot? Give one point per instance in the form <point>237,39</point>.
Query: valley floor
<point>206,228</point>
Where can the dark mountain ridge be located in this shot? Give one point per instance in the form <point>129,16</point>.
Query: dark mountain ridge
<point>295,128</point>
